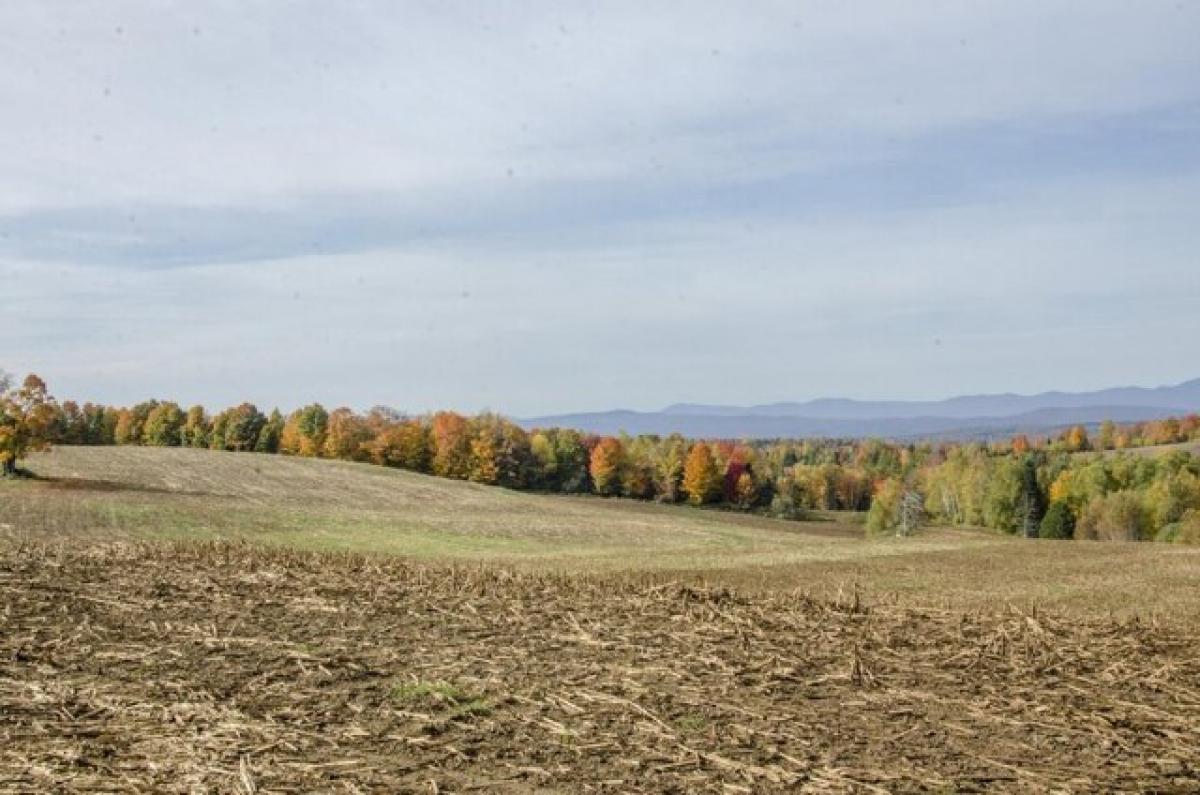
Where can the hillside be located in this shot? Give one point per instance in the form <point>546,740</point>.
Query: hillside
<point>323,504</point>
<point>1152,451</point>
<point>97,494</point>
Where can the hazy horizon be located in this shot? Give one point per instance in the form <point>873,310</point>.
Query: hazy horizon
<point>558,208</point>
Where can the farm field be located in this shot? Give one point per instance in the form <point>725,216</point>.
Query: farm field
<point>1152,451</point>
<point>95,494</point>
<point>151,667</point>
<point>180,620</point>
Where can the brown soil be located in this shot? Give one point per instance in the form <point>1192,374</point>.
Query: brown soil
<point>181,668</point>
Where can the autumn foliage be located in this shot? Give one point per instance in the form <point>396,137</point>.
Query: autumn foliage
<point>605,467</point>
<point>701,477</point>
<point>1056,486</point>
<point>27,419</point>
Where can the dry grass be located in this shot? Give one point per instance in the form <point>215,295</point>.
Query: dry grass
<point>1153,451</point>
<point>98,494</point>
<point>169,668</point>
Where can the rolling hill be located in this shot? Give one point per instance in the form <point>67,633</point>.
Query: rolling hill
<point>321,504</point>
<point>97,495</point>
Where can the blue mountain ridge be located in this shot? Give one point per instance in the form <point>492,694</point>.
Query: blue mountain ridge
<point>970,416</point>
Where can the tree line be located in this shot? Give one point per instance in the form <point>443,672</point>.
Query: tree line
<point>1028,486</point>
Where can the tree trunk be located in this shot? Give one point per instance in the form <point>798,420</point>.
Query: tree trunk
<point>8,468</point>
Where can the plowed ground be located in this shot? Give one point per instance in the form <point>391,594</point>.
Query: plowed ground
<point>228,667</point>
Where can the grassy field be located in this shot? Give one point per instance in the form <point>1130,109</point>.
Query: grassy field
<point>147,493</point>
<point>333,505</point>
<point>1153,451</point>
<point>388,632</point>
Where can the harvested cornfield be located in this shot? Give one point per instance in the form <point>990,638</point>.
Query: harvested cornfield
<point>229,667</point>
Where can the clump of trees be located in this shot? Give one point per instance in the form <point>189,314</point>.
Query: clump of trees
<point>1056,487</point>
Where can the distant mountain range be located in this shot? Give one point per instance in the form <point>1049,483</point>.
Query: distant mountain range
<point>966,417</point>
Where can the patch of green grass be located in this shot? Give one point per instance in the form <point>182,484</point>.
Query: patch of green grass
<point>450,700</point>
<point>413,692</point>
<point>475,708</point>
<point>691,723</point>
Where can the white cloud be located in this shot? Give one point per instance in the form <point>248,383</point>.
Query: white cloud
<point>224,103</point>
<point>1025,295</point>
<point>551,206</point>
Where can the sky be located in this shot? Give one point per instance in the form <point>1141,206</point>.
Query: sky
<point>537,208</point>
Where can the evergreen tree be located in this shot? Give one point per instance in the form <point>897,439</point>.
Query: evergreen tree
<point>573,462</point>
<point>1058,522</point>
<point>1031,503</point>
<point>243,424</point>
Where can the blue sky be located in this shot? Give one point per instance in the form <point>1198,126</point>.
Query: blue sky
<point>551,207</point>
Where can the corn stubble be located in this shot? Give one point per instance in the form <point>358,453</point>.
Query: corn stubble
<point>228,667</point>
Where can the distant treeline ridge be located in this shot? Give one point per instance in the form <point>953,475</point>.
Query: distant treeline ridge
<point>1033,487</point>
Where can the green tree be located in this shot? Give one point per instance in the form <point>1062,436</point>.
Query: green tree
<point>1107,439</point>
<point>195,428</point>
<point>1002,495</point>
<point>545,476</point>
<point>573,459</point>
<point>1031,502</point>
<point>671,465</point>
<point>1189,528</point>
<point>1058,522</point>
<point>216,431</point>
<point>884,514</point>
<point>71,425</point>
<point>304,432</point>
<point>268,437</point>
<point>243,424</point>
<point>164,425</point>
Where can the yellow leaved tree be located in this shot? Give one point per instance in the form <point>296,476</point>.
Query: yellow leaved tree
<point>27,418</point>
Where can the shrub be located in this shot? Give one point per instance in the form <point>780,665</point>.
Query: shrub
<point>1188,531</point>
<point>885,504</point>
<point>784,506</point>
<point>1058,522</point>
<point>1119,516</point>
